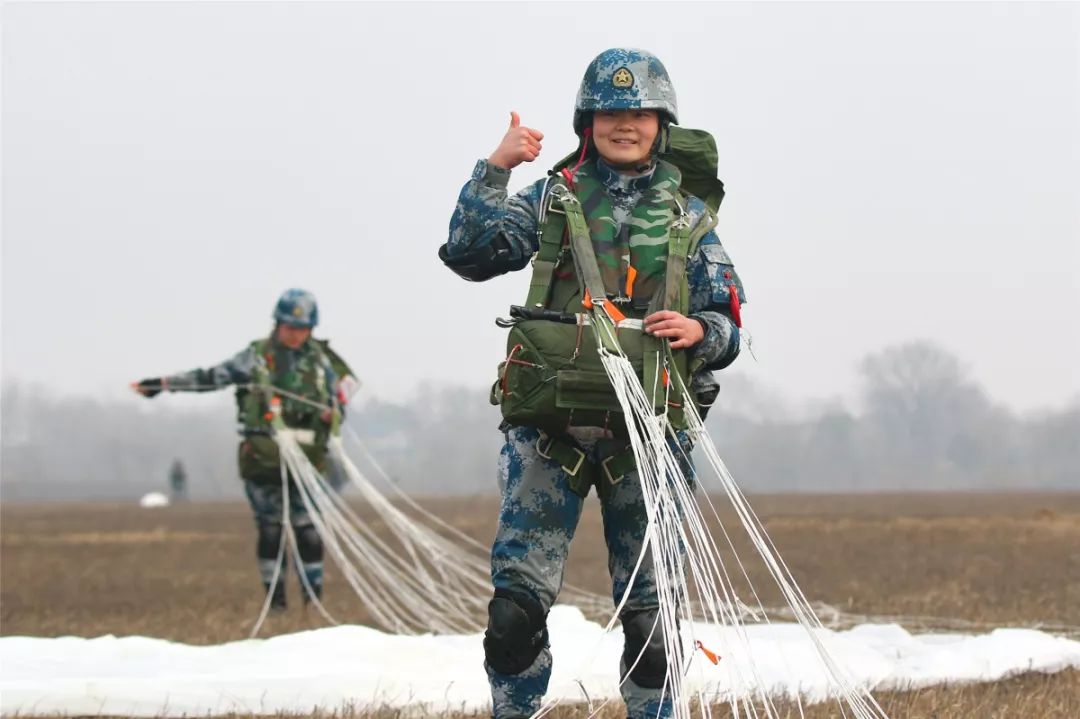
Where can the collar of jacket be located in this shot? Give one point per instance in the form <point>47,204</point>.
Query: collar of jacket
<point>617,182</point>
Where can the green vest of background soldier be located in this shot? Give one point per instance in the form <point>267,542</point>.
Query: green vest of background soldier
<point>313,384</point>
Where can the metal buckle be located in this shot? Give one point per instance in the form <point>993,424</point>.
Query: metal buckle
<point>561,193</point>
<point>581,460</point>
<point>551,206</point>
<point>540,450</point>
<point>607,471</point>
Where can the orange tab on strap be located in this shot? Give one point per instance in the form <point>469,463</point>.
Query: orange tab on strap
<point>631,275</point>
<point>587,302</point>
<point>614,313</point>
<point>715,659</point>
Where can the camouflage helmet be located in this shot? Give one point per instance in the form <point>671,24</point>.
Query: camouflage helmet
<point>297,308</point>
<point>625,79</point>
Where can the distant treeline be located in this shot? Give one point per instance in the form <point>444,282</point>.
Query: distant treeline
<point>919,423</point>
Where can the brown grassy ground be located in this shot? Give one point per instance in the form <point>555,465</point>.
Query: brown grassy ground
<point>187,573</point>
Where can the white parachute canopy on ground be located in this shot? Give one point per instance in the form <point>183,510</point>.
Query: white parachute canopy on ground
<point>152,500</point>
<point>354,668</point>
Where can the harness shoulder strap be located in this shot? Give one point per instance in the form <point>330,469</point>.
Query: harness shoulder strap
<point>551,226</point>
<point>585,264</point>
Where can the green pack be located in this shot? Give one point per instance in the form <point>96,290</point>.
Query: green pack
<point>552,377</point>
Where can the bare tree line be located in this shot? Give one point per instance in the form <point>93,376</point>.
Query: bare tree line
<point>921,423</point>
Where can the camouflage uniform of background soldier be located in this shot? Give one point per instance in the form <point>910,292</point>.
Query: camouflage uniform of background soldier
<point>315,381</point>
<point>625,101</point>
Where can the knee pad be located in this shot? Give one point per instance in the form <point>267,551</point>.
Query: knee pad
<point>642,634</point>
<point>516,632</point>
<point>309,544</point>
<point>269,540</point>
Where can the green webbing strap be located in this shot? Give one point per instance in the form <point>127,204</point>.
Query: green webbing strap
<point>588,271</point>
<point>582,473</point>
<point>552,226</point>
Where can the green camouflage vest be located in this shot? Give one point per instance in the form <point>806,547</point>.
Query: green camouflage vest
<point>552,377</point>
<point>642,244</point>
<point>304,393</point>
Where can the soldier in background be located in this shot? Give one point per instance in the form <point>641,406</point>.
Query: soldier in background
<point>178,482</point>
<point>312,383</point>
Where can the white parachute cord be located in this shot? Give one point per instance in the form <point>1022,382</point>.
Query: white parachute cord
<point>405,573</point>
<point>399,612</point>
<point>624,383</point>
<point>375,602</point>
<point>407,530</point>
<point>650,476</point>
<point>420,605</point>
<point>277,570</point>
<point>468,574</point>
<point>858,700</point>
<point>590,601</point>
<point>412,503</point>
<point>781,580</point>
<point>647,435</point>
<point>436,586</point>
<point>298,562</point>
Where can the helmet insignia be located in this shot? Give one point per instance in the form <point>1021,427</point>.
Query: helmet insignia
<point>622,78</point>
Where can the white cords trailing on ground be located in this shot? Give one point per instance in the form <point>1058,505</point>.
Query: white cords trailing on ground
<point>420,580</point>
<point>413,581</point>
<point>682,547</point>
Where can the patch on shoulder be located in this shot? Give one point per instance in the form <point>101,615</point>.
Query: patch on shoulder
<point>715,253</point>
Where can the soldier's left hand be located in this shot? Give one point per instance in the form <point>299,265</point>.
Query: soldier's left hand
<point>681,330</point>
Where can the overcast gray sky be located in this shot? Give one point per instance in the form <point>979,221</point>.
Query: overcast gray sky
<point>894,171</point>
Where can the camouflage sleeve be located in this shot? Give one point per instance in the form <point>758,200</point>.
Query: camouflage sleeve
<point>711,276</point>
<point>235,370</point>
<point>485,210</point>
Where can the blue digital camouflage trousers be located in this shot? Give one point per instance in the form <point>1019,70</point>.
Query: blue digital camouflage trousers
<point>537,520</point>
<point>268,505</point>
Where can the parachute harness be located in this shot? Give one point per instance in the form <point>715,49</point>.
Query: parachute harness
<point>676,535</point>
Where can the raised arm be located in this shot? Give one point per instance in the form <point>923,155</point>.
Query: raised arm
<point>492,233</point>
<point>235,370</point>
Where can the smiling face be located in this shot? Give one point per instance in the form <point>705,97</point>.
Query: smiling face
<point>624,138</point>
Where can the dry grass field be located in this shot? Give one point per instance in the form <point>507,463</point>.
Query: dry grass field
<point>938,561</point>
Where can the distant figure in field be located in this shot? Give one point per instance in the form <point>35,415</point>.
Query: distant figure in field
<point>178,482</point>
<point>312,383</point>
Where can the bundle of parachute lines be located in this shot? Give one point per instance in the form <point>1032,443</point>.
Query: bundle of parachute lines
<point>421,575</point>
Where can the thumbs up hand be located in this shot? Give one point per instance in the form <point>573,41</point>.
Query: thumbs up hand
<point>519,144</point>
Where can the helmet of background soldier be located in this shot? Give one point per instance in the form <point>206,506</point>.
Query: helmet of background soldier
<point>625,79</point>
<point>297,308</point>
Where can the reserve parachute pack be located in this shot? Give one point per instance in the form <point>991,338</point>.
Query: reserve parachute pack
<point>259,456</point>
<point>553,378</point>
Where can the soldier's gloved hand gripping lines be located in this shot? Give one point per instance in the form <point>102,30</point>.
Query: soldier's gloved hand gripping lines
<point>149,387</point>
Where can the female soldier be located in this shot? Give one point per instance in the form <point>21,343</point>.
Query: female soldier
<point>622,116</point>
